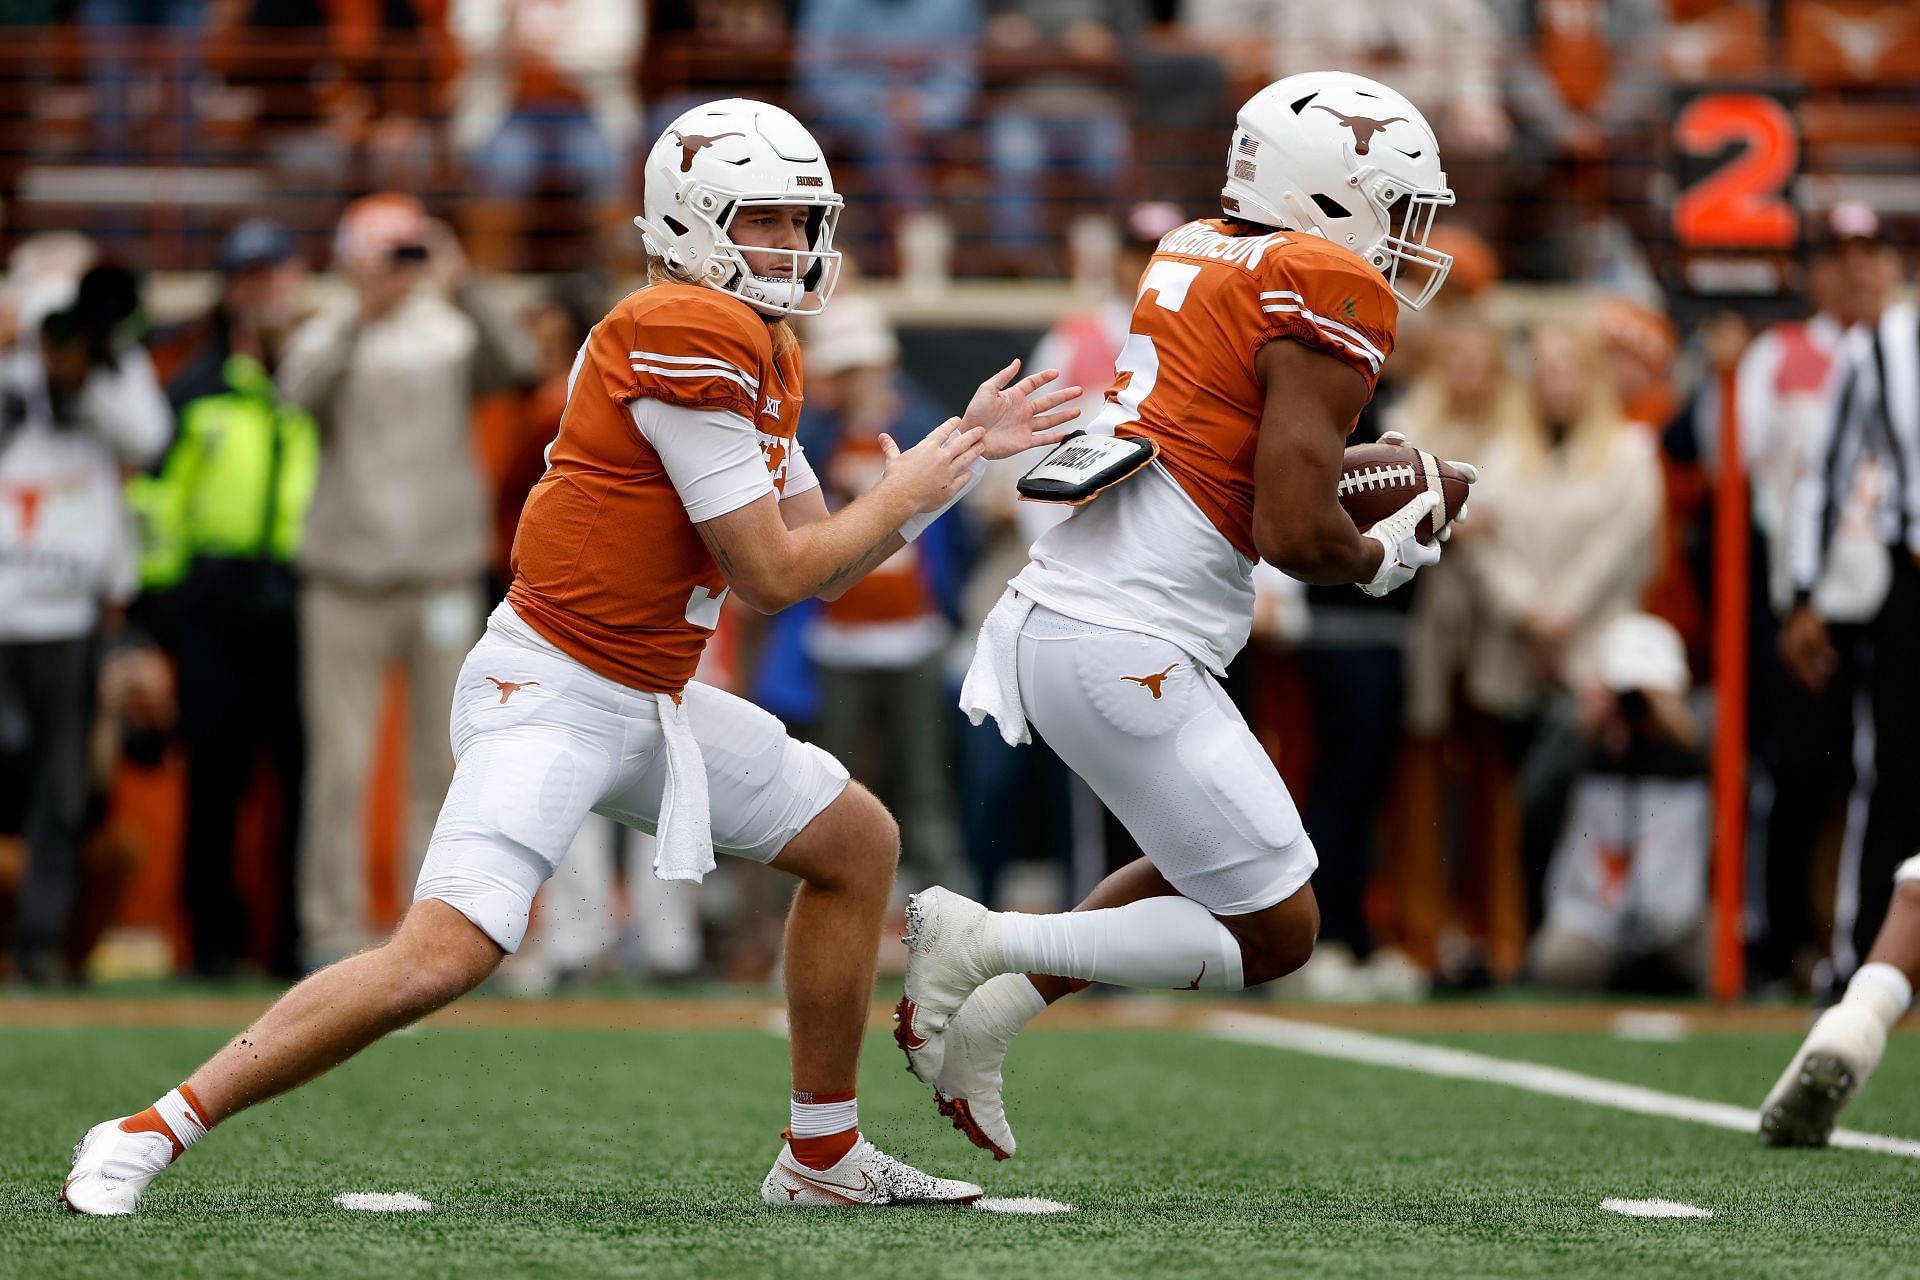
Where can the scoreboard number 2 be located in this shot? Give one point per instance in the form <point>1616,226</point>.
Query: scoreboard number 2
<point>1746,202</point>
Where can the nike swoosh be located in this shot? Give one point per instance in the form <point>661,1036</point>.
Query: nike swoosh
<point>865,1187</point>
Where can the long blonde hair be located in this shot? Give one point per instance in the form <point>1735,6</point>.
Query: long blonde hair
<point>658,272</point>
<point>1597,420</point>
<point>1428,411</point>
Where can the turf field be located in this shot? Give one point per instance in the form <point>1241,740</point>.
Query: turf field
<point>594,1152</point>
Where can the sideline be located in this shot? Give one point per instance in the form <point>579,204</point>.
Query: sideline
<point>1555,1082</point>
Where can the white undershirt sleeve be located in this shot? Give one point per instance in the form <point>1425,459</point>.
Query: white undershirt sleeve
<point>712,456</point>
<point>800,477</point>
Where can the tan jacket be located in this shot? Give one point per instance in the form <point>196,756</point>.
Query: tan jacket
<point>399,499</point>
<point>1549,538</point>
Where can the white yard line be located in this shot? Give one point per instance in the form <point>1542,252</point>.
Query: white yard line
<point>1555,1082</point>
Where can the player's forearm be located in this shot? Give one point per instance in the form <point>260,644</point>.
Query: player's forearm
<point>828,556</point>
<point>1324,553</point>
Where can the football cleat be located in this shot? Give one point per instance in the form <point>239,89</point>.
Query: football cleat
<point>953,945</point>
<point>111,1169</point>
<point>1839,1054</point>
<point>968,1088</point>
<point>866,1175</point>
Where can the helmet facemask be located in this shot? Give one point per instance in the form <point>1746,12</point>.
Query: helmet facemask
<point>1414,270</point>
<point>816,269</point>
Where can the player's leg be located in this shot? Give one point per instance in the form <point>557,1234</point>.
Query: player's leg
<point>526,775</point>
<point>1223,904</point>
<point>790,805</point>
<point>1847,1041</point>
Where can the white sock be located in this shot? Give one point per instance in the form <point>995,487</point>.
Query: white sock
<point>1002,1006</point>
<point>1160,943</point>
<point>810,1119</point>
<point>1881,990</point>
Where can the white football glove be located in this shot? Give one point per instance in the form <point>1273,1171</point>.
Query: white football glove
<point>1405,554</point>
<point>1466,469</point>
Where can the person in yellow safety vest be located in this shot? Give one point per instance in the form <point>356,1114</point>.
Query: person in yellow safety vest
<point>221,522</point>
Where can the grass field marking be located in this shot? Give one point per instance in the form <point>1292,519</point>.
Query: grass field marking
<point>382,1202</point>
<point>1021,1204</point>
<point>1654,1208</point>
<point>1462,1064</point>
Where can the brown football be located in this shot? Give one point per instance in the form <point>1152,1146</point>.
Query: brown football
<point>1377,480</point>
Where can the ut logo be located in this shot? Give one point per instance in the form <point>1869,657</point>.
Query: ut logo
<point>508,688</point>
<point>692,144</point>
<point>1363,128</point>
<point>1195,984</point>
<point>1153,682</point>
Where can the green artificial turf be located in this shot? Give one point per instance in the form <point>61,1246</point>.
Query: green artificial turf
<point>596,1153</point>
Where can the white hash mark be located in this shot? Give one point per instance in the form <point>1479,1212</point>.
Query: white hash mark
<point>1021,1204</point>
<point>1654,1208</point>
<point>382,1202</point>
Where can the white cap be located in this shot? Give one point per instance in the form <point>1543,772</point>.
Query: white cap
<point>855,334</point>
<point>1640,651</point>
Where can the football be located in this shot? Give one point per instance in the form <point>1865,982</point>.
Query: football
<point>1377,480</point>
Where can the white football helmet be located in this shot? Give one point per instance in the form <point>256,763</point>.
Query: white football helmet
<point>721,156</point>
<point>1346,158</point>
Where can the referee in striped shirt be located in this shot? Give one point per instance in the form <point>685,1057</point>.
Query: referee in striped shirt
<point>1853,539</point>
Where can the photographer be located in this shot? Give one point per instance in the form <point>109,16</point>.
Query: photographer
<point>1626,890</point>
<point>397,535</point>
<point>78,401</point>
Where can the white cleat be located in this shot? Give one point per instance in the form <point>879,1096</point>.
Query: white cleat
<point>1839,1054</point>
<point>968,1087</point>
<point>111,1169</point>
<point>953,945</point>
<point>866,1175</point>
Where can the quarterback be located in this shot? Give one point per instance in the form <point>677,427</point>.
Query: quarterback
<point>1256,340</point>
<point>675,480</point>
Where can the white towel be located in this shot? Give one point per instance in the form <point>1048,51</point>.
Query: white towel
<point>683,846</point>
<point>992,686</point>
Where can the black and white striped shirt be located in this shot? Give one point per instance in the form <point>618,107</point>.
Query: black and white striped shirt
<point>1876,416</point>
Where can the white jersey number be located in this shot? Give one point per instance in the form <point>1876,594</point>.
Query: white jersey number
<point>1168,282</point>
<point>703,608</point>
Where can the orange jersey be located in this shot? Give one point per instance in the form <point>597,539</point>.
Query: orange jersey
<point>896,589</point>
<point>606,563</point>
<point>1208,303</point>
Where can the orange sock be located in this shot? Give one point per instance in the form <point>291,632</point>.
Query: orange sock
<point>178,1116</point>
<point>823,1128</point>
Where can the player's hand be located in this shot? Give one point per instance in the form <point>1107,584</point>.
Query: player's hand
<point>1806,650</point>
<point>1467,470</point>
<point>934,471</point>
<point>1403,553</point>
<point>1015,423</point>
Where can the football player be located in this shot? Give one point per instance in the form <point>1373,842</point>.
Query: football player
<point>1845,1043</point>
<point>675,481</point>
<point>1256,340</point>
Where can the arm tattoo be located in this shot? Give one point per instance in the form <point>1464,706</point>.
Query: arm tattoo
<point>858,567</point>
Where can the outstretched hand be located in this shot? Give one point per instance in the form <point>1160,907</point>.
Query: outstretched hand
<point>1014,418</point>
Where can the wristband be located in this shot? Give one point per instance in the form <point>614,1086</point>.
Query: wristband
<point>917,524</point>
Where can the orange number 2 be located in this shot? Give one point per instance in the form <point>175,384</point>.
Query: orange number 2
<point>1743,204</point>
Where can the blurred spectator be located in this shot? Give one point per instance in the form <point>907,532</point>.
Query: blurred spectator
<point>883,80</point>
<point>1065,110</point>
<point>884,710</point>
<point>547,87</point>
<point>1565,529</point>
<point>1785,391</point>
<point>516,429</point>
<point>1626,893</point>
<point>1585,96</point>
<point>1853,546</point>
<point>396,537</point>
<point>224,518</point>
<point>370,69</point>
<point>1443,54</point>
<point>1452,409</point>
<point>78,400</point>
<point>143,60</point>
